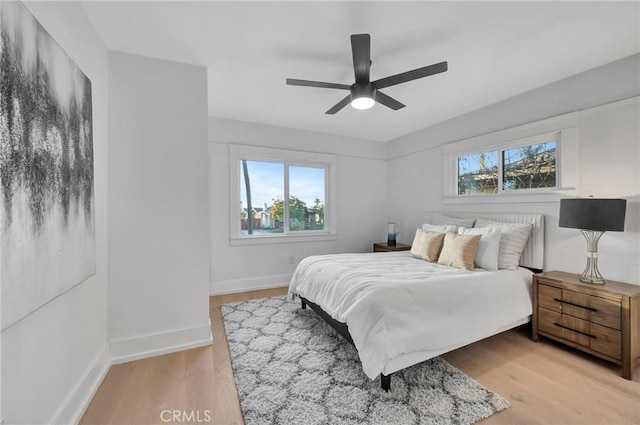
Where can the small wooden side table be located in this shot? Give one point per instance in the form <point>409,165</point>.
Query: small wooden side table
<point>384,247</point>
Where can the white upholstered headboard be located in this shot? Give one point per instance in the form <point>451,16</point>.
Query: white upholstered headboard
<point>533,254</point>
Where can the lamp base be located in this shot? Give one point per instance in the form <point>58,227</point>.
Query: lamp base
<point>591,274</point>
<point>594,281</point>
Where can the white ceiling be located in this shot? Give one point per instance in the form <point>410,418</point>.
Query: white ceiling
<point>495,50</point>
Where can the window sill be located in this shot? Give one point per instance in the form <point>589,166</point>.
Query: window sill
<point>510,197</point>
<point>263,240</point>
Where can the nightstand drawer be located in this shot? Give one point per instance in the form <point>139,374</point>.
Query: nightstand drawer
<point>548,296</point>
<point>576,330</point>
<point>566,327</point>
<point>607,341</point>
<point>547,320</point>
<point>594,309</point>
<point>581,332</point>
<point>598,310</point>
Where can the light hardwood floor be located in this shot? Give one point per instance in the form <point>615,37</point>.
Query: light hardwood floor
<point>545,383</point>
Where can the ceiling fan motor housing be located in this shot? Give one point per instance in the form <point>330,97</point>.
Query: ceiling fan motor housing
<point>363,90</point>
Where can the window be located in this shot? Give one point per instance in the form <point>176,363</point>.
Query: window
<point>533,162</point>
<point>278,195</point>
<point>306,198</point>
<point>261,195</point>
<point>529,167</point>
<point>478,173</point>
<point>529,164</point>
<point>266,204</point>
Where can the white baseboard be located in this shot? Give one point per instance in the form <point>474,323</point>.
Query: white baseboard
<point>142,347</point>
<point>233,286</point>
<point>78,400</point>
<point>122,351</point>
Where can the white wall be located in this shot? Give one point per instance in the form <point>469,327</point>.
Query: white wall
<point>155,248</point>
<point>362,198</point>
<point>158,220</point>
<point>55,357</point>
<point>608,162</point>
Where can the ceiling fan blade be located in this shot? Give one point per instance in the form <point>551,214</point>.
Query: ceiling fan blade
<point>411,75</point>
<point>361,48</point>
<point>388,101</point>
<point>307,83</point>
<point>335,108</point>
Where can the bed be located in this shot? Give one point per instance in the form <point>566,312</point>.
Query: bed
<point>398,310</point>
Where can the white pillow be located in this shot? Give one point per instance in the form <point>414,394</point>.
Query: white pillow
<point>514,239</point>
<point>488,247</point>
<point>439,229</point>
<point>439,220</point>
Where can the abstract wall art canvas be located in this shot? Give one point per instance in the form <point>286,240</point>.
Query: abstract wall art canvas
<point>47,239</point>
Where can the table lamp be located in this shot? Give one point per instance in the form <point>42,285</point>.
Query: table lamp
<point>593,217</point>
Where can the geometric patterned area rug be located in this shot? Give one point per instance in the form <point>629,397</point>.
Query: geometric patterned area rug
<point>290,367</point>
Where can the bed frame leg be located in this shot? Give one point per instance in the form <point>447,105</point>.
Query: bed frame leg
<point>385,382</point>
<point>304,305</point>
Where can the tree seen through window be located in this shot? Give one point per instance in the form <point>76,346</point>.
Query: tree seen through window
<point>527,167</point>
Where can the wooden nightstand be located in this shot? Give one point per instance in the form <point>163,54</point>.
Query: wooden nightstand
<point>383,247</point>
<point>602,320</point>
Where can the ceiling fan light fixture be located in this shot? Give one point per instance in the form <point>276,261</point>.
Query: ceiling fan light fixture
<point>362,103</point>
<point>363,96</point>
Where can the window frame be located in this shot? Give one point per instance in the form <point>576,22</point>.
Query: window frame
<point>288,158</point>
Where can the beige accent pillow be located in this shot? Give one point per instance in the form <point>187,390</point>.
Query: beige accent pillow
<point>426,245</point>
<point>459,250</point>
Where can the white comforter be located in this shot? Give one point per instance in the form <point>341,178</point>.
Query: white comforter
<point>396,305</point>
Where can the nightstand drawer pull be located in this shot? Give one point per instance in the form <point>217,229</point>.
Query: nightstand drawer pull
<point>573,330</point>
<point>575,305</point>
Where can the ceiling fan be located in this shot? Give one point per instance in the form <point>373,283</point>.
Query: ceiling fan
<point>364,93</point>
